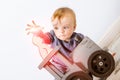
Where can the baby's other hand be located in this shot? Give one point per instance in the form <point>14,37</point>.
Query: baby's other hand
<point>33,28</point>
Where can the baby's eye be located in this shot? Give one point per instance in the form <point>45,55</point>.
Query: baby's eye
<point>55,28</point>
<point>66,27</point>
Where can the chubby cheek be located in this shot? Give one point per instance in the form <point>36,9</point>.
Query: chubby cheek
<point>69,35</point>
<point>56,33</point>
<point>69,32</point>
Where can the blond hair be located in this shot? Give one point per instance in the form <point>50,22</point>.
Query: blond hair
<point>63,11</point>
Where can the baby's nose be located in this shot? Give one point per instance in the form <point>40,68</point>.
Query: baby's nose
<point>61,30</point>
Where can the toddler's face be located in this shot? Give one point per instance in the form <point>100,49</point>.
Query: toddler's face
<point>64,27</point>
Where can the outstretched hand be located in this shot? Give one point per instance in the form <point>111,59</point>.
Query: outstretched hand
<point>33,28</point>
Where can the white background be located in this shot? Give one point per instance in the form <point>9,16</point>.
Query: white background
<point>19,58</point>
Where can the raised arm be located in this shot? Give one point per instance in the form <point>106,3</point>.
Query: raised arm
<point>37,30</point>
<point>33,28</point>
<point>38,38</point>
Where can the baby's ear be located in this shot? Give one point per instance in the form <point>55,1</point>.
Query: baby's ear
<point>74,27</point>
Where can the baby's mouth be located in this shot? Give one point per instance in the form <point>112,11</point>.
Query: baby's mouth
<point>62,35</point>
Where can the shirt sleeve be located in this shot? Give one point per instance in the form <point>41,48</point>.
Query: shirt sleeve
<point>79,37</point>
<point>45,36</point>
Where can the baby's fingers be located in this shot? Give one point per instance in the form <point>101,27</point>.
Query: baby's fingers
<point>28,28</point>
<point>29,25</point>
<point>28,32</point>
<point>34,23</point>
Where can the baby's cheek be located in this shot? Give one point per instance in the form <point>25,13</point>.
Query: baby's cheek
<point>57,33</point>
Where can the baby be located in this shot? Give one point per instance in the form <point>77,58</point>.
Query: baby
<point>63,34</point>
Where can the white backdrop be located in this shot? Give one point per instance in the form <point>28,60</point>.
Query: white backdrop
<point>19,58</point>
